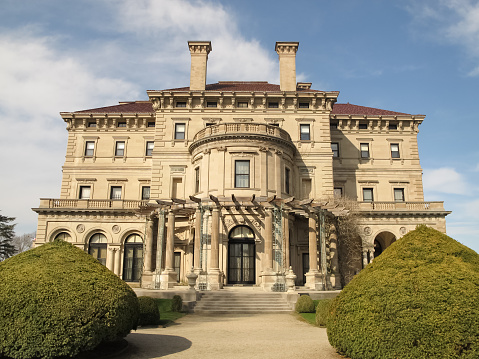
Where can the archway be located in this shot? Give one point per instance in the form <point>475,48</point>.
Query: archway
<point>63,236</point>
<point>133,258</point>
<point>241,256</point>
<point>382,241</point>
<point>97,247</point>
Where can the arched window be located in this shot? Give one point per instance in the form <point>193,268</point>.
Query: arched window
<point>241,256</point>
<point>241,232</point>
<point>133,258</point>
<point>63,236</point>
<point>97,247</point>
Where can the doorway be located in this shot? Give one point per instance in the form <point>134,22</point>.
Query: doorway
<point>241,256</point>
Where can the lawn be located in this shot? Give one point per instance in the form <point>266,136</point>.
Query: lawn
<point>167,316</point>
<point>309,317</point>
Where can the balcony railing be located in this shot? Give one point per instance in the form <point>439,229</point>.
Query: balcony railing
<point>238,128</point>
<point>91,203</point>
<point>401,206</point>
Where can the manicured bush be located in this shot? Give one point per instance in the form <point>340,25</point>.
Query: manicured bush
<point>418,299</point>
<point>322,312</point>
<point>176,304</point>
<point>56,300</point>
<point>149,312</point>
<point>304,304</point>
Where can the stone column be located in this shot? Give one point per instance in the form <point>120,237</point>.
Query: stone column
<point>215,278</point>
<point>333,252</point>
<point>117,252</point>
<point>286,240</point>
<point>197,249</point>
<point>313,277</point>
<point>371,255</point>
<point>277,172</point>
<point>263,154</point>
<point>149,245</point>
<point>365,257</point>
<point>159,249</point>
<point>168,276</point>
<point>109,258</point>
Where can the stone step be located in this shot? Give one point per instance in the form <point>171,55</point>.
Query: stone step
<point>243,311</point>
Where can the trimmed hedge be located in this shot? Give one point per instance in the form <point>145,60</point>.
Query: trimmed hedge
<point>418,299</point>
<point>149,312</point>
<point>322,309</point>
<point>304,304</point>
<point>176,304</point>
<point>56,300</point>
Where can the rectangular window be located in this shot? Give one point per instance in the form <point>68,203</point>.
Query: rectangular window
<point>335,149</point>
<point>121,124</point>
<point>242,104</point>
<point>368,195</point>
<point>145,192</point>
<point>149,148</point>
<point>180,131</point>
<point>151,124</point>
<point>395,150</point>
<point>197,179</point>
<point>338,192</point>
<point>273,105</point>
<point>304,132</point>
<point>89,148</point>
<point>241,174</point>
<point>120,148</point>
<point>91,124</point>
<point>333,125</point>
<point>363,126</point>
<point>287,173</point>
<point>85,192</point>
<point>274,124</point>
<point>180,104</point>
<point>208,124</point>
<point>211,104</point>
<point>115,192</point>
<point>304,105</point>
<point>393,126</point>
<point>364,150</point>
<point>306,188</point>
<point>399,195</point>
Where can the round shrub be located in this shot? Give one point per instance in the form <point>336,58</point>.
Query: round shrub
<point>304,304</point>
<point>149,313</point>
<point>176,304</point>
<point>56,300</point>
<point>418,299</point>
<point>322,312</point>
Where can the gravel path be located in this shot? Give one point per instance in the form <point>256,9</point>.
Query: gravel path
<point>225,336</point>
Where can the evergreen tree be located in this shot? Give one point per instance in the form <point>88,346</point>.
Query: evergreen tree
<point>7,249</point>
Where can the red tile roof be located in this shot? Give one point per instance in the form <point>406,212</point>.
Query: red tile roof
<point>126,107</point>
<point>349,109</point>
<point>239,86</point>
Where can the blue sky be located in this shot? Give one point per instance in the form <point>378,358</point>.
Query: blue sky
<point>419,57</point>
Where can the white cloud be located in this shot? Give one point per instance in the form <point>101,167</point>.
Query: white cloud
<point>444,180</point>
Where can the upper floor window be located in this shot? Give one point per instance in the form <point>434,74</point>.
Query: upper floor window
<point>180,131</point>
<point>274,124</point>
<point>242,173</point>
<point>197,179</point>
<point>207,124</point>
<point>211,104</point>
<point>395,150</point>
<point>91,124</point>
<point>145,192</point>
<point>364,147</point>
<point>181,104</point>
<point>287,173</point>
<point>393,126</point>
<point>120,148</point>
<point>89,148</point>
<point>149,148</point>
<point>333,125</point>
<point>398,194</point>
<point>304,105</point>
<point>115,192</point>
<point>363,126</point>
<point>368,195</point>
<point>273,105</point>
<point>151,124</point>
<point>304,132</point>
<point>335,149</point>
<point>242,104</point>
<point>85,192</point>
<point>121,124</point>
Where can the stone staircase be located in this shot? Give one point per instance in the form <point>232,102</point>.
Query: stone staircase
<point>241,302</point>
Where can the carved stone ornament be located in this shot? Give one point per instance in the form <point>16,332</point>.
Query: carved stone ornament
<point>116,229</point>
<point>156,104</point>
<point>81,228</point>
<point>402,230</point>
<point>367,230</point>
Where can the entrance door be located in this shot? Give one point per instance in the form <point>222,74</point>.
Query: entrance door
<point>241,256</point>
<point>133,259</point>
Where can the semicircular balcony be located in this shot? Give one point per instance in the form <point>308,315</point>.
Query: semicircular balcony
<point>246,131</point>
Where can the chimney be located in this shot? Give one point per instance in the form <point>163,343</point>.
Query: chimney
<point>287,64</point>
<point>199,56</point>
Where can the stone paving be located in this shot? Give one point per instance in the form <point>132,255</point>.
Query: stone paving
<point>231,336</point>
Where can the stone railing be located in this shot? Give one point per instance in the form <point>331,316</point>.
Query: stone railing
<point>91,203</point>
<point>242,128</point>
<point>401,206</point>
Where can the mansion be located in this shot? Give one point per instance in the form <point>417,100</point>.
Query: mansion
<point>237,181</point>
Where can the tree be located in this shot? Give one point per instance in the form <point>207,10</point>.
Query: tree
<point>24,242</point>
<point>7,249</point>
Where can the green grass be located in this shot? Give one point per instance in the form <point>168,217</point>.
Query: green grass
<point>167,317</point>
<point>309,317</point>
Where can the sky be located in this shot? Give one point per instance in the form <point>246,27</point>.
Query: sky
<point>413,56</point>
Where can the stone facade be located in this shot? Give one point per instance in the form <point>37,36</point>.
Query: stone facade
<point>234,180</point>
